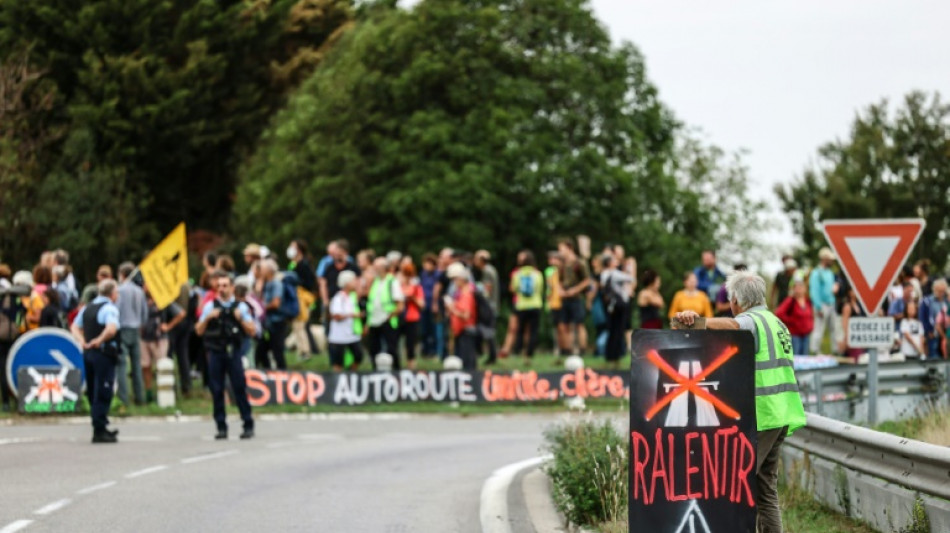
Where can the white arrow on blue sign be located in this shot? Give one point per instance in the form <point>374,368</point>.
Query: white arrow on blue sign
<point>44,347</point>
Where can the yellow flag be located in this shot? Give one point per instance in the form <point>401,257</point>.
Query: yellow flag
<point>165,269</point>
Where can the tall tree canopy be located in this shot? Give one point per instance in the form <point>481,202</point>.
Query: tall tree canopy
<point>895,164</point>
<point>480,123</point>
<point>157,103</point>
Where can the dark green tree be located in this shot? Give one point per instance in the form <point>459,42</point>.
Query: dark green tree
<point>167,97</point>
<point>478,123</point>
<point>895,164</point>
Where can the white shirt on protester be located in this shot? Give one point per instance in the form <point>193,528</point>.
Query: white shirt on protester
<point>916,331</point>
<point>341,331</point>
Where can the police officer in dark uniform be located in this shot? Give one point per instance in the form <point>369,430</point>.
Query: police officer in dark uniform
<point>97,325</point>
<point>224,325</point>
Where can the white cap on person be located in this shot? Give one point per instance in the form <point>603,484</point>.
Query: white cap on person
<point>393,257</point>
<point>345,277</point>
<point>23,278</point>
<point>457,270</point>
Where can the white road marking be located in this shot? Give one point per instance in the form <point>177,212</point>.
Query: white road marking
<point>146,471</point>
<point>320,436</point>
<point>94,488</point>
<point>15,526</point>
<point>53,507</point>
<point>208,457</point>
<point>18,440</point>
<point>144,438</point>
<point>493,511</point>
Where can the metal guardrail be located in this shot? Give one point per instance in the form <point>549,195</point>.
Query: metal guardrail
<point>848,383</point>
<point>915,465</point>
<point>887,481</point>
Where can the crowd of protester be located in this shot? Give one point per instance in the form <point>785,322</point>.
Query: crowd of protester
<point>816,305</point>
<point>355,305</point>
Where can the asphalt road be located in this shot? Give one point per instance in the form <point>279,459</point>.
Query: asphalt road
<point>358,473</point>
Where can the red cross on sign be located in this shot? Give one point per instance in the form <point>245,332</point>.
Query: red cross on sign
<point>692,384</point>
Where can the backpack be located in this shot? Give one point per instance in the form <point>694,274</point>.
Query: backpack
<point>485,315</point>
<point>609,296</point>
<point>289,303</point>
<point>9,314</point>
<point>526,286</point>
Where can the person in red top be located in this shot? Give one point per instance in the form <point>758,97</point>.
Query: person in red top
<point>463,313</point>
<point>415,303</point>
<point>799,317</point>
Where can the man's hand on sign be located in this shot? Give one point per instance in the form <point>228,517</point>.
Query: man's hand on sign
<point>686,318</point>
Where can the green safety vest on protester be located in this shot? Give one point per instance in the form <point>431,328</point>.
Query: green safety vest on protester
<point>777,402</point>
<point>357,321</point>
<point>382,291</point>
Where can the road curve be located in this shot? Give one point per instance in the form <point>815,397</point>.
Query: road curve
<point>362,473</point>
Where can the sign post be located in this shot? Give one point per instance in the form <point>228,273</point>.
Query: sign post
<point>871,253</point>
<point>692,432</point>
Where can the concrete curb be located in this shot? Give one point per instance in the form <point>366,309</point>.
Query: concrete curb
<point>493,504</point>
<point>544,516</point>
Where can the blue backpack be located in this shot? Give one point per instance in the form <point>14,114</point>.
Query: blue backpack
<point>289,304</point>
<point>526,284</point>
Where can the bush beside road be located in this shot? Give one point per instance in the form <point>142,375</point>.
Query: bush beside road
<point>589,476</point>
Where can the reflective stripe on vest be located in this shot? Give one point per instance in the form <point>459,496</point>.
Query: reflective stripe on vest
<point>777,401</point>
<point>357,321</point>
<point>386,297</point>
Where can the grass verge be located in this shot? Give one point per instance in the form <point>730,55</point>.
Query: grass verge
<point>930,425</point>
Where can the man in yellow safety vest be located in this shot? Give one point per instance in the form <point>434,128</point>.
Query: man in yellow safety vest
<point>778,406</point>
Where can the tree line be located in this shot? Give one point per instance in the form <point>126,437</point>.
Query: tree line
<point>494,124</point>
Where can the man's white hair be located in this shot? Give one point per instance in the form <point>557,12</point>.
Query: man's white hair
<point>746,288</point>
<point>270,264</point>
<point>941,283</point>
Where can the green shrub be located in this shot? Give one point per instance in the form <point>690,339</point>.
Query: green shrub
<point>589,471</point>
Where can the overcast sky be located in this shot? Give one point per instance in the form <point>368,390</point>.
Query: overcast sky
<point>780,78</point>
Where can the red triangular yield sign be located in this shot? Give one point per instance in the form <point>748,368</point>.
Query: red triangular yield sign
<point>871,252</point>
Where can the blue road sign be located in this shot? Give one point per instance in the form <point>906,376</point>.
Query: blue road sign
<point>44,347</point>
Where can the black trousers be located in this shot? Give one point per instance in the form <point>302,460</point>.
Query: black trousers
<point>5,393</point>
<point>528,322</point>
<point>100,383</point>
<point>410,332</point>
<point>221,364</point>
<point>466,349</point>
<point>178,339</point>
<point>272,345</point>
<point>486,337</point>
<point>616,333</point>
<point>384,339</point>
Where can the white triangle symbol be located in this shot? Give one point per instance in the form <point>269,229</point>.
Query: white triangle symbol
<point>693,520</point>
<point>871,254</point>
